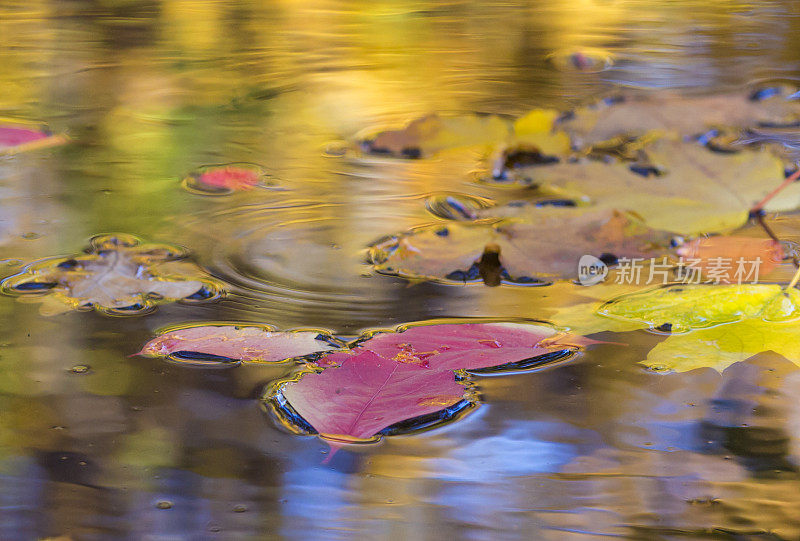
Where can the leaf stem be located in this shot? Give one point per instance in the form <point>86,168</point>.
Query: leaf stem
<point>791,178</point>
<point>760,218</point>
<point>794,281</point>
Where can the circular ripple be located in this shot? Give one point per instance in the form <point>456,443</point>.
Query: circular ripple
<point>304,262</point>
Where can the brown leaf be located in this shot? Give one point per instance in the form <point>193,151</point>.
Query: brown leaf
<point>432,133</point>
<point>117,275</point>
<point>540,244</point>
<point>668,111</point>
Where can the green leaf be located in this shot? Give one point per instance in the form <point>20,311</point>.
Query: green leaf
<point>711,325</point>
<point>687,307</point>
<point>719,347</point>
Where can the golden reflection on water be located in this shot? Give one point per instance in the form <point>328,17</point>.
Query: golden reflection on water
<point>150,91</point>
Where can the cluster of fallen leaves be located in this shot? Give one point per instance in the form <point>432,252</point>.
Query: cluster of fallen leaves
<point>655,176</point>
<point>359,390</point>
<point>629,174</point>
<point>625,178</point>
<point>630,177</point>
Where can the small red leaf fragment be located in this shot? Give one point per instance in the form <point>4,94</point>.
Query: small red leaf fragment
<point>14,139</point>
<point>13,136</point>
<point>230,177</point>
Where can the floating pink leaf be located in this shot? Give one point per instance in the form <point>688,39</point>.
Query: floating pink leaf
<point>467,346</point>
<point>379,380</point>
<point>453,346</point>
<point>369,393</point>
<point>242,343</point>
<point>390,377</point>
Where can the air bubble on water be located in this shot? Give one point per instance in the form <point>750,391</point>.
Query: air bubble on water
<point>456,206</point>
<point>335,149</point>
<point>659,368</point>
<point>80,369</point>
<point>585,59</point>
<point>163,504</point>
<point>210,292</point>
<point>113,241</point>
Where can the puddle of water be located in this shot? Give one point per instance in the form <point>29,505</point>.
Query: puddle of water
<point>96,444</point>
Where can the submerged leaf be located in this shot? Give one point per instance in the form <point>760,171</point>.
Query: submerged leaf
<point>541,244</point>
<point>117,275</point>
<point>719,347</point>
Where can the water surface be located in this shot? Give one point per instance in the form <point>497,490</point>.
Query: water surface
<point>137,448</point>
